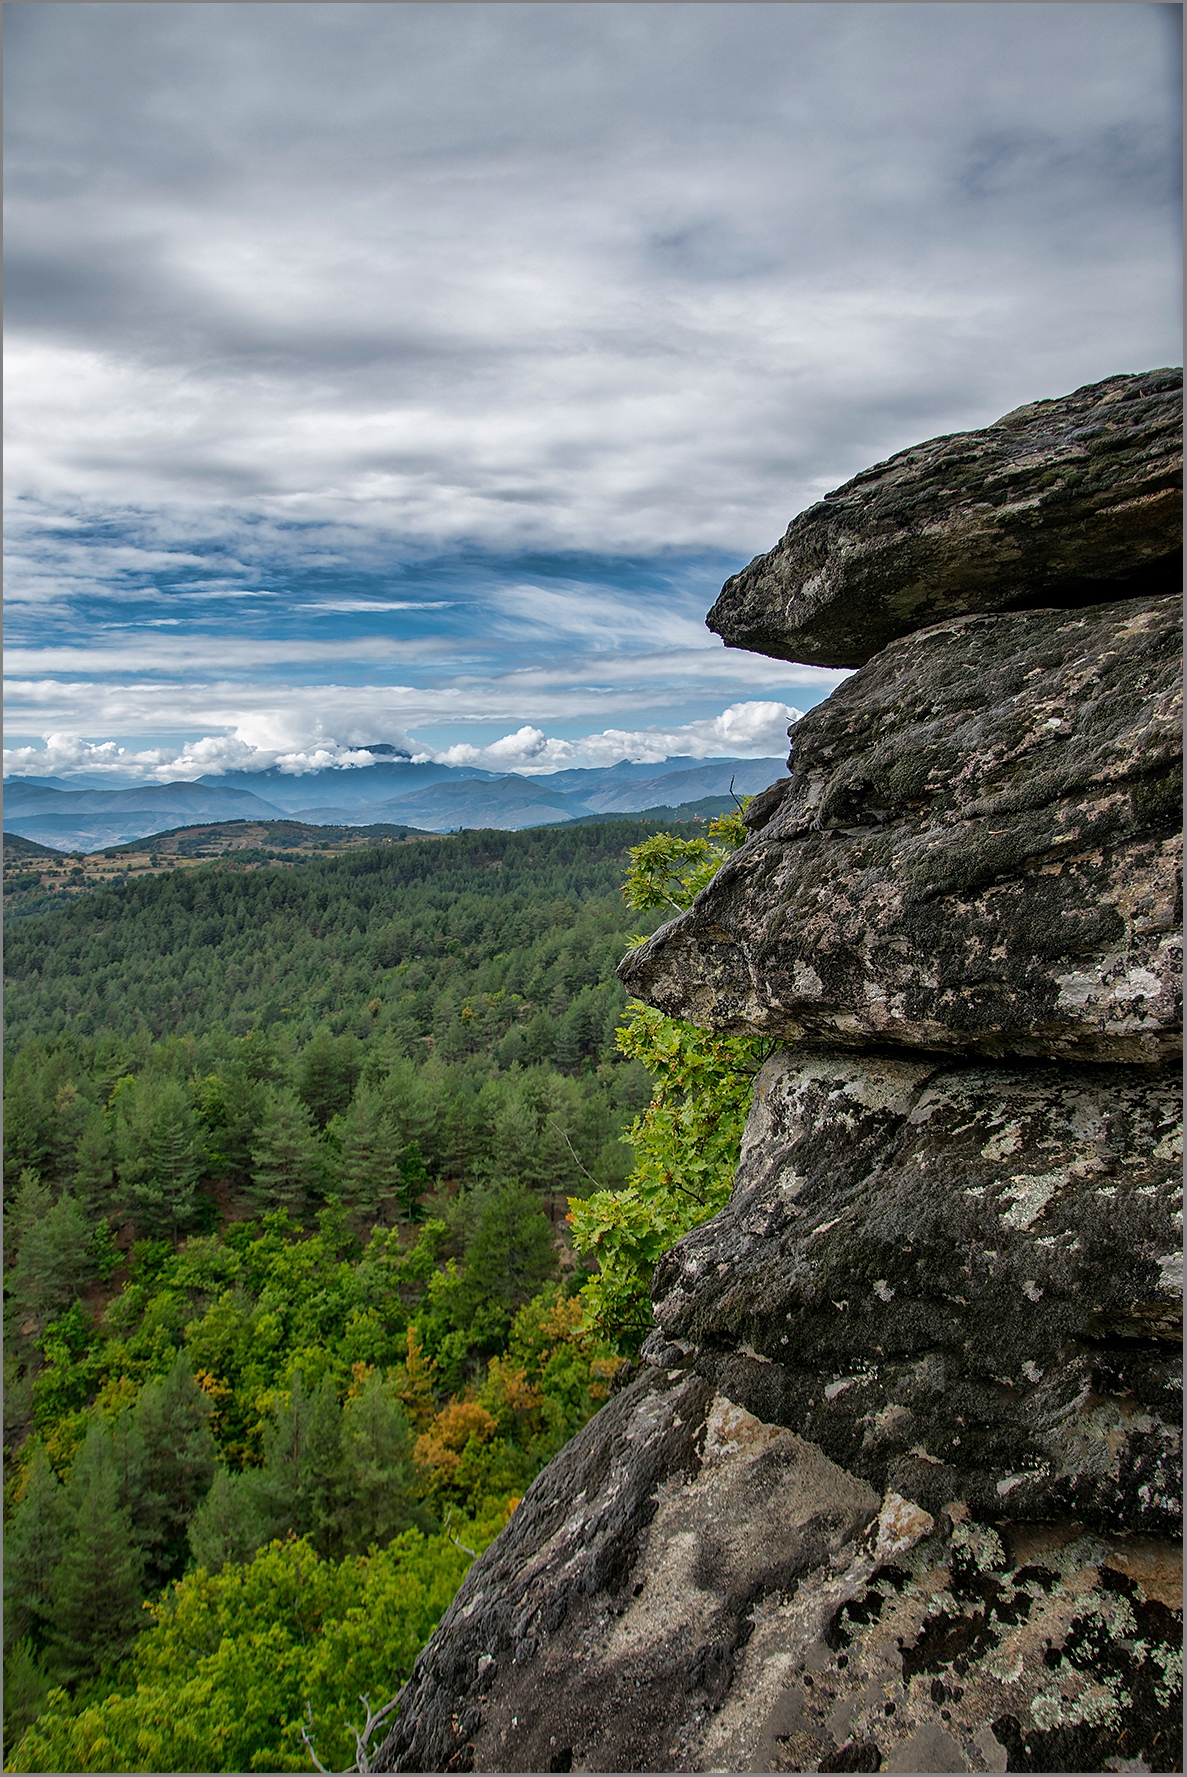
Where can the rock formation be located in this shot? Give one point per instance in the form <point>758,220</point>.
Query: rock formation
<point>977,849</point>
<point>895,1484</point>
<point>1066,502</point>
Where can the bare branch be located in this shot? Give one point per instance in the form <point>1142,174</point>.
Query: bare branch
<point>457,1543</point>
<point>374,1717</point>
<point>572,1150</point>
<point>309,1742</point>
<point>362,1762</point>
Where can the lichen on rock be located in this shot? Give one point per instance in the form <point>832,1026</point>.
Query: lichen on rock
<point>918,1270</point>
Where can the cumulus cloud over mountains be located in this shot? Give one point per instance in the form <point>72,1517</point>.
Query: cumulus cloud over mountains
<point>743,731</point>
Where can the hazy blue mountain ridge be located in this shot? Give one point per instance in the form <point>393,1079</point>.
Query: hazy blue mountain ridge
<point>352,786</point>
<point>437,798</point>
<point>185,797</point>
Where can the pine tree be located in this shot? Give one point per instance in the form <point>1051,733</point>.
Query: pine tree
<point>33,1545</point>
<point>26,1688</point>
<point>509,1257</point>
<point>32,1201</point>
<point>227,1526</point>
<point>71,1115</point>
<point>95,1592</point>
<point>329,1071</point>
<point>377,1473</point>
<point>232,1103</point>
<point>160,1156</point>
<point>298,1481</point>
<point>171,1418</point>
<point>461,1138</point>
<point>28,1118</point>
<point>287,1160</point>
<point>53,1263</point>
<point>369,1174</point>
<point>130,1461</point>
<point>414,1180</point>
<point>94,1171</point>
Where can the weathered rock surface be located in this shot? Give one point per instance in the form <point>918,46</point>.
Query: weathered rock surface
<point>895,1487</point>
<point>1059,503</point>
<point>977,849</point>
<point>897,1483</point>
<point>922,1263</point>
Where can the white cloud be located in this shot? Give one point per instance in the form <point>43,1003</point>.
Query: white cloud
<point>527,749</point>
<point>585,277</point>
<point>168,654</point>
<point>744,730</point>
<point>285,716</point>
<point>67,756</point>
<point>365,605</point>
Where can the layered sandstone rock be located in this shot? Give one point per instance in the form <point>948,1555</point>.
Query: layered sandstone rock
<point>977,849</point>
<point>895,1485</point>
<point>1060,503</point>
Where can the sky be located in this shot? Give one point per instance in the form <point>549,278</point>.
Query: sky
<point>415,374</point>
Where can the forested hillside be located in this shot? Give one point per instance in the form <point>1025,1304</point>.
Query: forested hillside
<point>292,1314</point>
<point>473,941</point>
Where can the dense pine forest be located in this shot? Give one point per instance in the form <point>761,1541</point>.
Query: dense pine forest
<point>294,1159</point>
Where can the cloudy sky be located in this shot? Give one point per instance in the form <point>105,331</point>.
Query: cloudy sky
<point>416,373</point>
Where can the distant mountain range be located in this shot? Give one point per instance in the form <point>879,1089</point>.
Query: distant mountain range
<point>436,798</point>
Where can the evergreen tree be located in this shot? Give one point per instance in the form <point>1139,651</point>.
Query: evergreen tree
<point>377,1473</point>
<point>53,1262</point>
<point>33,1546</point>
<point>32,1201</point>
<point>95,1592</point>
<point>72,1112</point>
<point>160,1156</point>
<point>26,1689</point>
<point>130,1461</point>
<point>369,1173</point>
<point>287,1160</point>
<point>462,1138</point>
<point>414,1181</point>
<point>94,1170</point>
<point>510,1256</point>
<point>233,1105</point>
<point>171,1418</point>
<point>527,1144</point>
<point>328,1073</point>
<point>298,1481</point>
<point>28,1118</point>
<point>228,1525</point>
